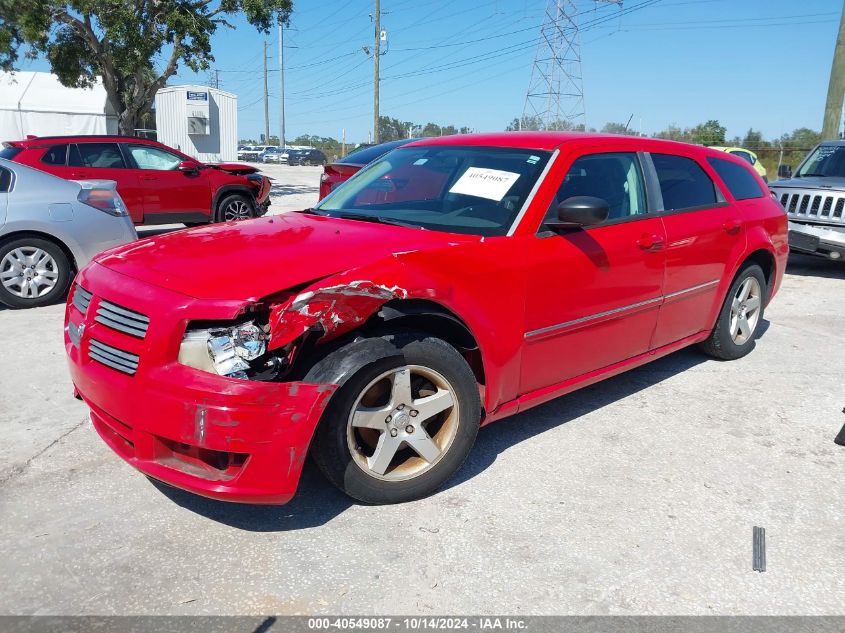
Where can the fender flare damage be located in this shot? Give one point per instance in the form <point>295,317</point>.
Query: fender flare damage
<point>332,310</point>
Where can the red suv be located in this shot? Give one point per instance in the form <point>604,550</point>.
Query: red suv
<point>456,281</point>
<point>159,185</point>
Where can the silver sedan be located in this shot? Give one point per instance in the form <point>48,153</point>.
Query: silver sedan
<point>49,228</point>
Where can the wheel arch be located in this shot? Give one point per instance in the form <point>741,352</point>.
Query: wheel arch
<point>14,235</point>
<point>226,190</point>
<point>435,319</point>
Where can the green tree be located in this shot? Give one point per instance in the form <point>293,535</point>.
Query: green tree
<point>529,123</point>
<point>709,133</point>
<point>753,139</point>
<point>672,133</point>
<point>125,43</point>
<point>390,129</point>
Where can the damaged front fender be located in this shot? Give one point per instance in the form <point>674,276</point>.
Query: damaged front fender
<point>333,310</point>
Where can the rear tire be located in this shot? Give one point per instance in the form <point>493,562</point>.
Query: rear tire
<point>34,272</point>
<point>235,207</point>
<point>740,317</point>
<point>403,422</point>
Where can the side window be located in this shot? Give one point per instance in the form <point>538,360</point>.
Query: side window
<point>5,180</point>
<point>55,155</point>
<point>102,155</point>
<point>615,178</point>
<point>737,179</point>
<point>148,157</point>
<point>744,156</point>
<point>683,183</point>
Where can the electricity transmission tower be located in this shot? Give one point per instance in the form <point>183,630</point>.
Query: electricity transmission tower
<point>555,97</point>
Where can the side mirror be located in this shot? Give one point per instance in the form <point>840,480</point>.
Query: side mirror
<point>188,167</point>
<point>579,211</point>
<point>784,171</point>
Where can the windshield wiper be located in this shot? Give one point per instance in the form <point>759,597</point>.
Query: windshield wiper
<point>812,175</point>
<point>310,211</point>
<point>376,219</point>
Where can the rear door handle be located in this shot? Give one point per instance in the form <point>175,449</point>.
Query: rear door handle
<point>732,226</point>
<point>80,174</point>
<point>650,242</point>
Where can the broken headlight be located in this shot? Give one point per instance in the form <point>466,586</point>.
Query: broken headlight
<point>225,350</point>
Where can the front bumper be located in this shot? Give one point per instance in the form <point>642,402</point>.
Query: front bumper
<point>820,240</point>
<point>229,439</point>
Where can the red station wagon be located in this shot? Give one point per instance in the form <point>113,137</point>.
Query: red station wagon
<point>451,283</point>
<point>158,184</point>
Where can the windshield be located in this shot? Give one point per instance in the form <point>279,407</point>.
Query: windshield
<point>471,190</point>
<point>826,161</point>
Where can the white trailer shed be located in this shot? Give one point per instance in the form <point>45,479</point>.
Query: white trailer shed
<point>199,121</point>
<point>36,103</point>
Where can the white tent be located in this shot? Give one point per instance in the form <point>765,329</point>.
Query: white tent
<point>36,103</point>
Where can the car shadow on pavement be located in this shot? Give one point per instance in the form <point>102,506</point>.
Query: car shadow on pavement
<point>504,434</point>
<point>278,189</point>
<point>813,266</point>
<point>316,503</point>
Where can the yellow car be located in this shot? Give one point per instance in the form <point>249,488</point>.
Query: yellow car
<point>746,155</point>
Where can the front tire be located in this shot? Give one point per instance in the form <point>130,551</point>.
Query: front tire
<point>740,317</point>
<point>403,422</point>
<point>34,272</point>
<point>235,207</point>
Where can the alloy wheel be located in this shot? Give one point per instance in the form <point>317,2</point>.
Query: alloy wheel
<point>403,422</point>
<point>29,272</point>
<point>745,310</point>
<point>236,210</point>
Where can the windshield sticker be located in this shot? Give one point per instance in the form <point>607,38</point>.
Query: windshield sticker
<point>492,184</point>
<point>533,160</point>
<point>421,161</point>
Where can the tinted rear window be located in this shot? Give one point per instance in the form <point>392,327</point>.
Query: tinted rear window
<point>5,179</point>
<point>683,183</point>
<point>369,154</point>
<point>10,152</point>
<point>741,183</point>
<point>103,155</point>
<point>55,155</point>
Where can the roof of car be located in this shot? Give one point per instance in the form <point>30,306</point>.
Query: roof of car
<point>81,138</point>
<point>545,140</point>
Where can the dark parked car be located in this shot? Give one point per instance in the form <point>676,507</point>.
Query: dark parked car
<point>158,184</point>
<point>344,168</point>
<point>306,157</point>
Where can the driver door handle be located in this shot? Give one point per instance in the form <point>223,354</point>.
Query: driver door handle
<point>732,226</point>
<point>650,242</point>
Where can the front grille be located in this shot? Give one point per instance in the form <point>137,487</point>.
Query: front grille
<point>812,205</point>
<point>113,357</point>
<point>81,299</point>
<point>122,320</point>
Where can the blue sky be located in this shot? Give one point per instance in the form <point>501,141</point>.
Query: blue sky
<point>749,63</point>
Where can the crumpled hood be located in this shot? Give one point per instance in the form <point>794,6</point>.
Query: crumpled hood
<point>813,182</point>
<point>256,258</point>
<point>235,168</point>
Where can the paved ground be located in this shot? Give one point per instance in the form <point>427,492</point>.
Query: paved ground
<point>634,496</point>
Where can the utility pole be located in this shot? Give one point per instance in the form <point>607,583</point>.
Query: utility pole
<point>266,102</point>
<point>343,143</point>
<point>836,88</point>
<point>281,85</point>
<point>376,55</point>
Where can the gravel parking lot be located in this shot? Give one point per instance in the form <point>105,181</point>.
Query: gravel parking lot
<point>633,496</point>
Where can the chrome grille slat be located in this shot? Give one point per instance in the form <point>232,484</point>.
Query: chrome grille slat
<point>122,319</point>
<point>81,298</point>
<point>113,357</point>
<point>813,205</point>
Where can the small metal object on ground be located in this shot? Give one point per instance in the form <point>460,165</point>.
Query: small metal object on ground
<point>840,439</point>
<point>759,557</point>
